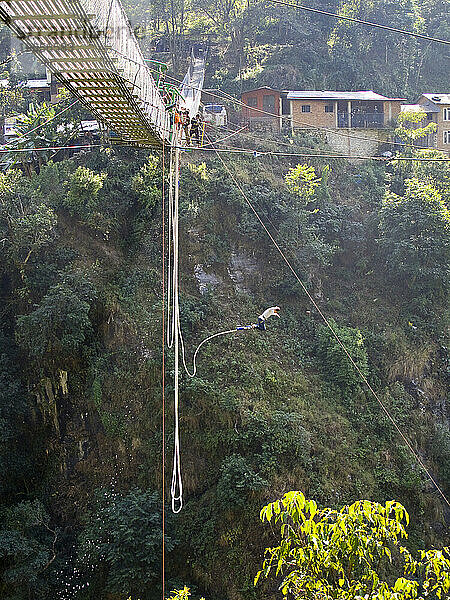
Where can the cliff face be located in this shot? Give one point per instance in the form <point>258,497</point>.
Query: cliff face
<point>267,412</point>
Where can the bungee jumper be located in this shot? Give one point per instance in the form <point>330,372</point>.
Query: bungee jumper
<point>261,324</point>
<point>269,312</point>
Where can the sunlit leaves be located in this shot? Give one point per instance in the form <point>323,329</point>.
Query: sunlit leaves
<point>325,553</point>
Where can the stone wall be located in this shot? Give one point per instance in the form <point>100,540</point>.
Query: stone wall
<point>356,142</point>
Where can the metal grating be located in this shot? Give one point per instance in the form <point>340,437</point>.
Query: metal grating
<point>90,47</point>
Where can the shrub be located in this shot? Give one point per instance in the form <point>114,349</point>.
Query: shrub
<point>122,541</point>
<point>237,480</point>
<point>83,188</point>
<point>60,325</point>
<point>415,236</point>
<point>334,361</point>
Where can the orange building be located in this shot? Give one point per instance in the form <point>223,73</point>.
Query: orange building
<point>263,108</point>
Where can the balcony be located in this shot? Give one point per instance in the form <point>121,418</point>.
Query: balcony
<point>361,120</point>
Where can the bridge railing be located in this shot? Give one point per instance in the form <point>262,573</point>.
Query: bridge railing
<point>110,20</point>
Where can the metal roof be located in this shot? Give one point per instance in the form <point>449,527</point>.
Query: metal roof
<point>330,95</point>
<point>90,47</point>
<point>438,98</point>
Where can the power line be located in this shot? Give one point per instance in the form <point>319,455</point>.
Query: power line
<point>261,153</point>
<point>50,148</point>
<point>362,22</point>
<point>335,335</point>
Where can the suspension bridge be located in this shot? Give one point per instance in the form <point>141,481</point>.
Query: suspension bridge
<point>91,49</point>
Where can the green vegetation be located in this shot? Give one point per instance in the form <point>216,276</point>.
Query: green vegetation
<point>81,380</point>
<point>80,338</point>
<point>121,542</point>
<point>346,554</point>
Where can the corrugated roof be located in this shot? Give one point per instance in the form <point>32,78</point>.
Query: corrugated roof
<point>438,98</point>
<point>426,107</point>
<point>330,95</point>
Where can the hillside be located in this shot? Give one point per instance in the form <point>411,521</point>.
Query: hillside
<point>81,300</point>
<point>266,413</point>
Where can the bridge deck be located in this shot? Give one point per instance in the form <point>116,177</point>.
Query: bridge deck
<point>90,47</point>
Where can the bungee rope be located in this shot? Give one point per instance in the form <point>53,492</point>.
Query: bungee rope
<point>174,335</point>
<point>194,363</point>
<point>173,309</point>
<point>269,312</point>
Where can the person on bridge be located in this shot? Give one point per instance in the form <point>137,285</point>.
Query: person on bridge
<point>195,128</point>
<point>185,122</point>
<point>177,120</point>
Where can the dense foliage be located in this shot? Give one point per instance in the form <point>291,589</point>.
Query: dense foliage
<point>80,331</point>
<point>81,376</point>
<point>343,554</point>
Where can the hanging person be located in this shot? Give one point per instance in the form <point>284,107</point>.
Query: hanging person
<point>269,312</point>
<point>261,324</point>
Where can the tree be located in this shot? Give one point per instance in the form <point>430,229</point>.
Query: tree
<point>415,235</point>
<point>237,481</point>
<point>60,325</point>
<point>302,181</point>
<point>182,594</point>
<point>27,549</point>
<point>408,126</point>
<point>298,229</point>
<point>27,225</point>
<point>14,413</point>
<point>122,540</point>
<point>83,188</point>
<point>333,358</point>
<point>146,183</point>
<point>345,554</point>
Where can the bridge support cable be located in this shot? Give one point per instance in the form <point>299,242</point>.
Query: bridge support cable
<point>80,41</point>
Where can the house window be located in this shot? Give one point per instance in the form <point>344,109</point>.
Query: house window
<point>329,108</point>
<point>252,101</point>
<point>446,114</point>
<point>429,116</point>
<point>446,137</point>
<point>306,108</point>
<point>269,102</point>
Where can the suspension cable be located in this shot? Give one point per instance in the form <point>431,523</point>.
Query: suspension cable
<point>335,335</point>
<point>361,22</point>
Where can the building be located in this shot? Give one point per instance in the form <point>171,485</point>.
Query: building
<point>45,90</point>
<point>353,123</point>
<point>259,103</point>
<point>339,110</point>
<point>437,109</point>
